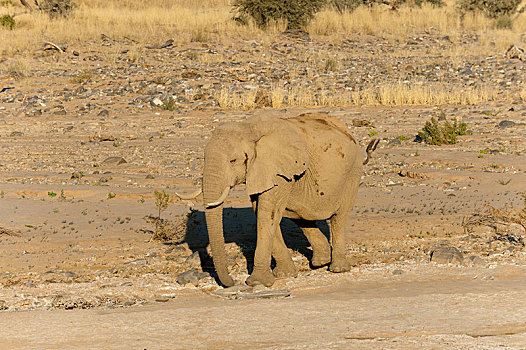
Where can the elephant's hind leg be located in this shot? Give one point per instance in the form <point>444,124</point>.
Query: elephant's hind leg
<point>284,265</point>
<point>321,250</point>
<point>339,262</point>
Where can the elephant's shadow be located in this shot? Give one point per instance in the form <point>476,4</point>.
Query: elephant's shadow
<point>240,227</point>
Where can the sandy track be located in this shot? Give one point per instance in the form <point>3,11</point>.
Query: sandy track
<point>406,314</point>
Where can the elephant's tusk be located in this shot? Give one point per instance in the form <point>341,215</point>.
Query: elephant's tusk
<point>190,196</point>
<point>220,200</point>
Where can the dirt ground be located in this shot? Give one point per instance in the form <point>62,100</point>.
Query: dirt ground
<point>79,164</point>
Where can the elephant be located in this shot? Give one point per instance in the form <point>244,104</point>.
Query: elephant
<point>305,168</point>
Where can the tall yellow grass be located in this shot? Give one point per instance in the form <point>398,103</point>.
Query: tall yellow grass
<point>189,20</point>
<point>393,94</point>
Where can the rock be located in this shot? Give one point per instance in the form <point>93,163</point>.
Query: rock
<point>141,262</point>
<point>231,291</point>
<point>3,305</point>
<point>516,229</point>
<point>265,294</point>
<point>156,102</point>
<point>69,274</point>
<point>16,133</point>
<point>358,123</point>
<point>193,261</point>
<point>114,161</point>
<point>191,277</point>
<point>506,124</point>
<point>515,52</point>
<point>397,272</point>
<point>394,143</point>
<point>103,113</point>
<point>446,255</point>
<point>476,261</point>
<point>412,175</point>
<point>162,300</point>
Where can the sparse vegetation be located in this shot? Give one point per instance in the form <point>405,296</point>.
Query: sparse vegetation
<point>439,133</point>
<point>83,77</point>
<point>7,21</point>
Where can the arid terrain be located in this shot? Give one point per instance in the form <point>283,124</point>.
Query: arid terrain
<point>436,237</point>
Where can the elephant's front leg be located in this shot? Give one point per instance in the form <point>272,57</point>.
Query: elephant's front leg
<point>269,212</point>
<point>284,265</point>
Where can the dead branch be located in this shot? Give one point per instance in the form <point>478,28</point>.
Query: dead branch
<point>371,147</point>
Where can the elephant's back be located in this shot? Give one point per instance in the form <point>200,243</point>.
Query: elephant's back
<point>319,124</point>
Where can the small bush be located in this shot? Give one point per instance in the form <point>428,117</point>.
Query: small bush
<point>8,22</point>
<point>435,133</point>
<point>491,8</point>
<point>296,13</point>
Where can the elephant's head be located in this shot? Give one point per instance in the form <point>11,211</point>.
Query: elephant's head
<point>256,152</point>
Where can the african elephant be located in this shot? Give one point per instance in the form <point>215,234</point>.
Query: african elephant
<point>304,168</point>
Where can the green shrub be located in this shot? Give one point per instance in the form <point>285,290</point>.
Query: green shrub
<point>436,133</point>
<point>490,8</point>
<point>8,22</point>
<point>296,13</point>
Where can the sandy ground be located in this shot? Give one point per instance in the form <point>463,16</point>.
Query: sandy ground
<point>438,309</point>
<point>78,269</point>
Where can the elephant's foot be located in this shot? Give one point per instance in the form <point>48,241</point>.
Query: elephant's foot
<point>339,265</point>
<point>321,257</point>
<point>264,277</point>
<point>285,269</point>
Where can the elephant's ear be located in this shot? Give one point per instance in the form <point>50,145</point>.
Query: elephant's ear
<point>281,153</point>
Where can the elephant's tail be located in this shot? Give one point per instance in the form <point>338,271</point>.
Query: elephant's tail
<point>371,147</point>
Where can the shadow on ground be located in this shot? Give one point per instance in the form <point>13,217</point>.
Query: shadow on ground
<point>239,227</point>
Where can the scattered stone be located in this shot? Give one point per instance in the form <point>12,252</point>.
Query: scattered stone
<point>139,262</point>
<point>192,277</point>
<point>394,143</point>
<point>168,43</point>
<point>446,255</point>
<point>476,261</point>
<point>156,102</point>
<point>114,161</point>
<point>193,261</point>
<point>358,123</point>
<point>515,52</point>
<point>506,124</point>
<point>69,274</point>
<point>232,291</point>
<point>103,113</point>
<point>413,175</point>
<point>264,294</point>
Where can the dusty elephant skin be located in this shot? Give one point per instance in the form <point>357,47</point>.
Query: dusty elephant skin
<point>305,168</point>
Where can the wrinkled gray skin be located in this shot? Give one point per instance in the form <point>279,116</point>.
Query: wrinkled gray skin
<point>305,168</point>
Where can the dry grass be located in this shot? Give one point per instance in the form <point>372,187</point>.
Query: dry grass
<point>394,94</point>
<point>201,21</point>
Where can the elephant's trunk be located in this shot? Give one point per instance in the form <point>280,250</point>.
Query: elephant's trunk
<point>214,185</point>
